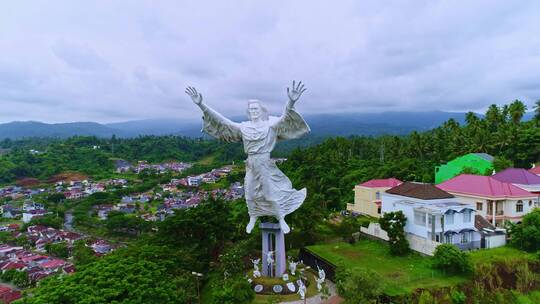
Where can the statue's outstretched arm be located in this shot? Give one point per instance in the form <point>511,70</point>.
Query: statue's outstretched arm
<point>291,124</point>
<point>294,94</point>
<point>215,124</point>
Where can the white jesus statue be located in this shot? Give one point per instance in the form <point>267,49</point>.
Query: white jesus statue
<point>268,191</point>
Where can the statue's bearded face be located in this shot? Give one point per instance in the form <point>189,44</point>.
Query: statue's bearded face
<point>254,110</point>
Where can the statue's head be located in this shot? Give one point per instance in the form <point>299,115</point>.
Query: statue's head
<point>256,111</point>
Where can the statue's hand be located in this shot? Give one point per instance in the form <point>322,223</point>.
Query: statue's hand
<point>296,92</point>
<point>195,96</point>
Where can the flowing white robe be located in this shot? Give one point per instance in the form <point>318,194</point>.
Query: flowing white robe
<point>267,190</point>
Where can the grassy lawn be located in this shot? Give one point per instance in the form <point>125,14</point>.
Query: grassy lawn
<point>500,253</point>
<point>400,274</point>
<point>207,160</point>
<point>530,298</point>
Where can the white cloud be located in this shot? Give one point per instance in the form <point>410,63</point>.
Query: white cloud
<point>119,60</point>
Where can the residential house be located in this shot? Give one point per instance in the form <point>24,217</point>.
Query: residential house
<point>27,216</point>
<point>122,166</point>
<point>367,196</point>
<point>101,247</point>
<point>433,214</point>
<point>194,181</point>
<point>9,211</point>
<point>490,236</point>
<point>495,200</point>
<point>6,250</point>
<point>480,162</point>
<point>74,193</point>
<point>520,177</point>
<point>103,211</point>
<point>30,206</point>
<point>125,208</point>
<point>10,227</point>
<point>8,295</point>
<point>127,200</point>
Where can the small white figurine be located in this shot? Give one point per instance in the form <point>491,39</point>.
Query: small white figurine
<point>322,274</point>
<point>256,272</point>
<point>302,291</point>
<point>319,283</point>
<point>270,258</point>
<point>292,267</point>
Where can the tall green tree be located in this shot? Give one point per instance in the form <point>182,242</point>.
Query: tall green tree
<point>516,110</point>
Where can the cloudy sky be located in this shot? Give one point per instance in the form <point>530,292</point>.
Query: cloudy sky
<point>109,61</point>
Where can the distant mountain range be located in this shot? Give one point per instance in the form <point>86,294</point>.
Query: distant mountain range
<point>336,124</point>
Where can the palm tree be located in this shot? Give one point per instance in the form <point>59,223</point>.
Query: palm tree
<point>493,117</point>
<point>471,119</point>
<point>517,110</point>
<point>537,111</point>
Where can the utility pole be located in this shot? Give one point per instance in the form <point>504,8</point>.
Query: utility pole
<point>197,277</point>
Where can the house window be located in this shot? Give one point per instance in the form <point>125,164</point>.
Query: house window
<point>464,237</point>
<point>479,206</point>
<point>448,239</point>
<point>377,195</point>
<point>419,218</point>
<point>378,210</point>
<point>530,203</point>
<point>519,206</point>
<point>449,218</point>
<point>467,216</point>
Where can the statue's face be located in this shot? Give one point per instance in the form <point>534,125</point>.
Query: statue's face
<point>255,111</point>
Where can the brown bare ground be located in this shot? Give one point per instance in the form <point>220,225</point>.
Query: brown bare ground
<point>28,182</point>
<point>67,177</point>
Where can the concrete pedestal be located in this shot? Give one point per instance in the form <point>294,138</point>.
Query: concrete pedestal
<point>273,239</point>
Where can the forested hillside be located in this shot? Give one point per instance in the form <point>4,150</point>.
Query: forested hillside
<point>42,158</point>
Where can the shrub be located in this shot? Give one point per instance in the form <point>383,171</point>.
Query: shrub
<point>449,258</point>
<point>358,285</point>
<point>458,297</point>
<point>527,234</point>
<point>233,290</point>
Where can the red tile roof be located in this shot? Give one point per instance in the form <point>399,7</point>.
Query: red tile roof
<point>14,265</point>
<point>535,170</point>
<point>483,186</point>
<point>382,183</point>
<point>53,263</point>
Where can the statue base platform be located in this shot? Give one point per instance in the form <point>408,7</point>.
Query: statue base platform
<point>273,239</point>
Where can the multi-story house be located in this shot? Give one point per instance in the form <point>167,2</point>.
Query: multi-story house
<point>367,196</point>
<point>480,162</point>
<point>433,214</point>
<point>495,200</point>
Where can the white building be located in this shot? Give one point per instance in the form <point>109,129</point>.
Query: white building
<point>433,214</point>
<point>194,181</point>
